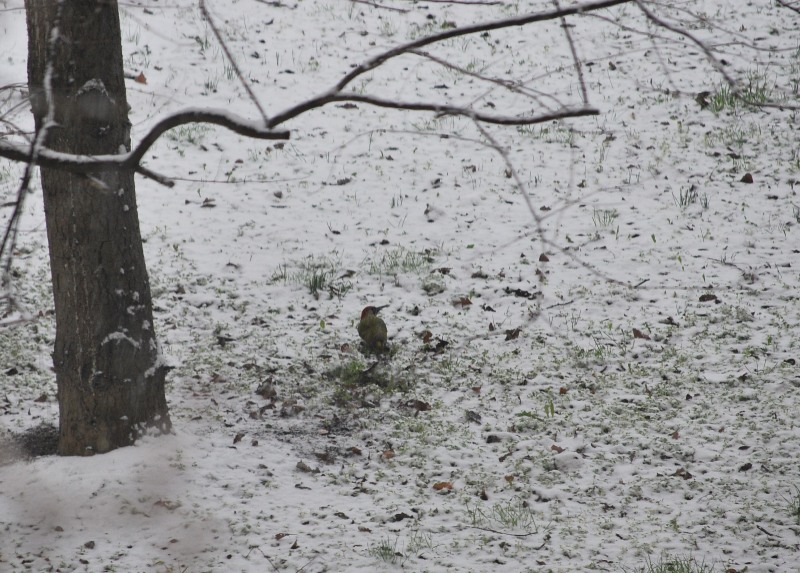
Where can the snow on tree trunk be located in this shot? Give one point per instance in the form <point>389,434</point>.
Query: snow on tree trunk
<point>107,361</point>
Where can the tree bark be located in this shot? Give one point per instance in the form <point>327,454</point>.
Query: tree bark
<point>107,361</point>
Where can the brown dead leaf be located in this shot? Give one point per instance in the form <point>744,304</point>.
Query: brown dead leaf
<point>238,437</point>
<point>639,334</point>
<point>680,472</point>
<point>426,336</point>
<point>513,334</point>
<point>563,390</point>
<point>544,258</point>
<point>418,405</point>
<point>387,454</point>
<point>675,435</point>
<point>140,79</point>
<point>279,536</point>
<point>556,448</point>
<point>167,504</point>
<point>442,485</point>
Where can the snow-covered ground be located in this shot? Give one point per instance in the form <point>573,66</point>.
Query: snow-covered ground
<point>602,373</point>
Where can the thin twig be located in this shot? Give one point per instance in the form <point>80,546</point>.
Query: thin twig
<point>786,4</point>
<point>375,5</point>
<point>232,61</point>
<point>381,58</point>
<point>466,112</point>
<point>36,148</point>
<point>578,63</point>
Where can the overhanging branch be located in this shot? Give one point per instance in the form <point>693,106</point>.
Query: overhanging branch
<point>383,57</point>
<point>87,164</point>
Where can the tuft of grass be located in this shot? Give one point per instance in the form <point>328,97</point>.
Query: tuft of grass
<point>604,218</point>
<point>687,196</point>
<point>756,90</point>
<point>400,260</point>
<point>514,514</point>
<point>318,274</point>
<point>669,564</point>
<point>794,505</point>
<point>386,550</point>
<point>192,134</point>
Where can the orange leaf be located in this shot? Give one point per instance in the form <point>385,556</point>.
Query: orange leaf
<point>140,79</point>
<point>440,485</point>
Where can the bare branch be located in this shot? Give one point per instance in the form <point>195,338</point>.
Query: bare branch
<point>466,112</point>
<point>788,5</point>
<point>691,37</point>
<point>131,160</point>
<point>217,117</point>
<point>381,58</point>
<point>578,64</point>
<point>232,61</point>
<point>376,5</point>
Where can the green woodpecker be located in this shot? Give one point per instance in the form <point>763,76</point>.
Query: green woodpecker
<point>372,329</point>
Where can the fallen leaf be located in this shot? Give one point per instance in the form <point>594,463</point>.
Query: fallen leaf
<point>556,448</point>
<point>513,334</point>
<point>544,258</point>
<point>442,485</point>
<point>680,472</point>
<point>418,405</point>
<point>167,504</point>
<point>639,334</point>
<point>238,437</point>
<point>140,79</point>
<point>304,467</point>
<point>387,454</point>
<point>747,178</point>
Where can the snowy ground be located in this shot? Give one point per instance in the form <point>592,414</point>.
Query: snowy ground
<point>631,394</point>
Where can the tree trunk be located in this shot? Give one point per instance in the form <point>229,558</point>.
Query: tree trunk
<point>107,361</point>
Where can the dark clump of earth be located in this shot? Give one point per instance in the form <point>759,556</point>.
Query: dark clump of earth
<point>41,440</point>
